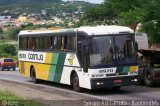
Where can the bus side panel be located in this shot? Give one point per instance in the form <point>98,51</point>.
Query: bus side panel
<point>65,78</point>
<point>84,80</point>
<point>71,64</point>
<point>41,69</point>
<point>23,68</point>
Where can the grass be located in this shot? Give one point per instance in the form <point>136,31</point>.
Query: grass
<point>10,98</point>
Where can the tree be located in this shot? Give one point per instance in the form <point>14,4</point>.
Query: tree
<point>8,49</point>
<point>131,17</point>
<point>128,13</point>
<point>151,20</point>
<point>12,34</point>
<point>101,14</point>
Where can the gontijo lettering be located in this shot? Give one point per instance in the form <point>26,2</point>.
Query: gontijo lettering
<point>31,56</point>
<point>35,56</point>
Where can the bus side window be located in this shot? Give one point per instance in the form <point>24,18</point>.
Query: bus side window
<point>52,42</point>
<point>58,43</point>
<point>20,43</point>
<point>47,42</point>
<point>38,43</point>
<point>31,43</point>
<point>68,43</point>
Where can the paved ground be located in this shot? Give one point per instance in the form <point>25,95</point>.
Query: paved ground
<point>57,93</point>
<point>43,94</point>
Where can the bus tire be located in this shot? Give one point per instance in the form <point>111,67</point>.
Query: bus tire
<point>148,77</point>
<point>75,83</point>
<point>116,88</point>
<point>140,77</point>
<point>33,76</point>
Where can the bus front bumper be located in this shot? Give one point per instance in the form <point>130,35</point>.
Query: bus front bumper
<point>113,81</point>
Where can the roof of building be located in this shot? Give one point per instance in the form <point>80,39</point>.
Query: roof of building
<point>5,17</point>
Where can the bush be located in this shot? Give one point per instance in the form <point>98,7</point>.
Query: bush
<point>7,50</point>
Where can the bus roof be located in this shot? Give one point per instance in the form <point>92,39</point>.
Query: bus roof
<point>102,30</point>
<point>97,30</point>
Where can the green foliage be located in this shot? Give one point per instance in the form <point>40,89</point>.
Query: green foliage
<point>151,20</point>
<point>7,49</point>
<point>9,95</point>
<point>128,13</point>
<point>1,30</point>
<point>30,26</point>
<point>3,54</point>
<point>130,17</point>
<point>12,34</point>
<point>101,14</point>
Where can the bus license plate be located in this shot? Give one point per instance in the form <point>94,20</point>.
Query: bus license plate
<point>117,81</point>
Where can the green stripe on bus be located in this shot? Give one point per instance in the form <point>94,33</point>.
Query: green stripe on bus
<point>53,67</point>
<point>119,69</point>
<point>59,68</point>
<point>122,69</point>
<point>126,69</point>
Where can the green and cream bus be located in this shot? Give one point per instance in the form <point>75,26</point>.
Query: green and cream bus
<point>85,57</point>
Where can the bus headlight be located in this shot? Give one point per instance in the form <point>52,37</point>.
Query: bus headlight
<point>99,83</point>
<point>135,80</point>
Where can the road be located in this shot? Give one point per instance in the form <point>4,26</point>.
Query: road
<point>126,93</point>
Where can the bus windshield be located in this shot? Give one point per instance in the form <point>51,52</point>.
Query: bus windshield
<point>112,50</point>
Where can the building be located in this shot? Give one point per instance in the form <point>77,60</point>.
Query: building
<point>5,18</point>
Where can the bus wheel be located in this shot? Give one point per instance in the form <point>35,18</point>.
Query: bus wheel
<point>33,76</point>
<point>75,83</point>
<point>116,88</point>
<point>148,77</point>
<point>140,77</point>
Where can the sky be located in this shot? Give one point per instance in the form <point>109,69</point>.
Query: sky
<point>91,1</point>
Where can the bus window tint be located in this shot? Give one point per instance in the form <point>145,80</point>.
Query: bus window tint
<point>23,43</point>
<point>38,43</point>
<point>70,43</point>
<point>52,42</point>
<point>47,42</point>
<point>58,43</point>
<point>31,43</point>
